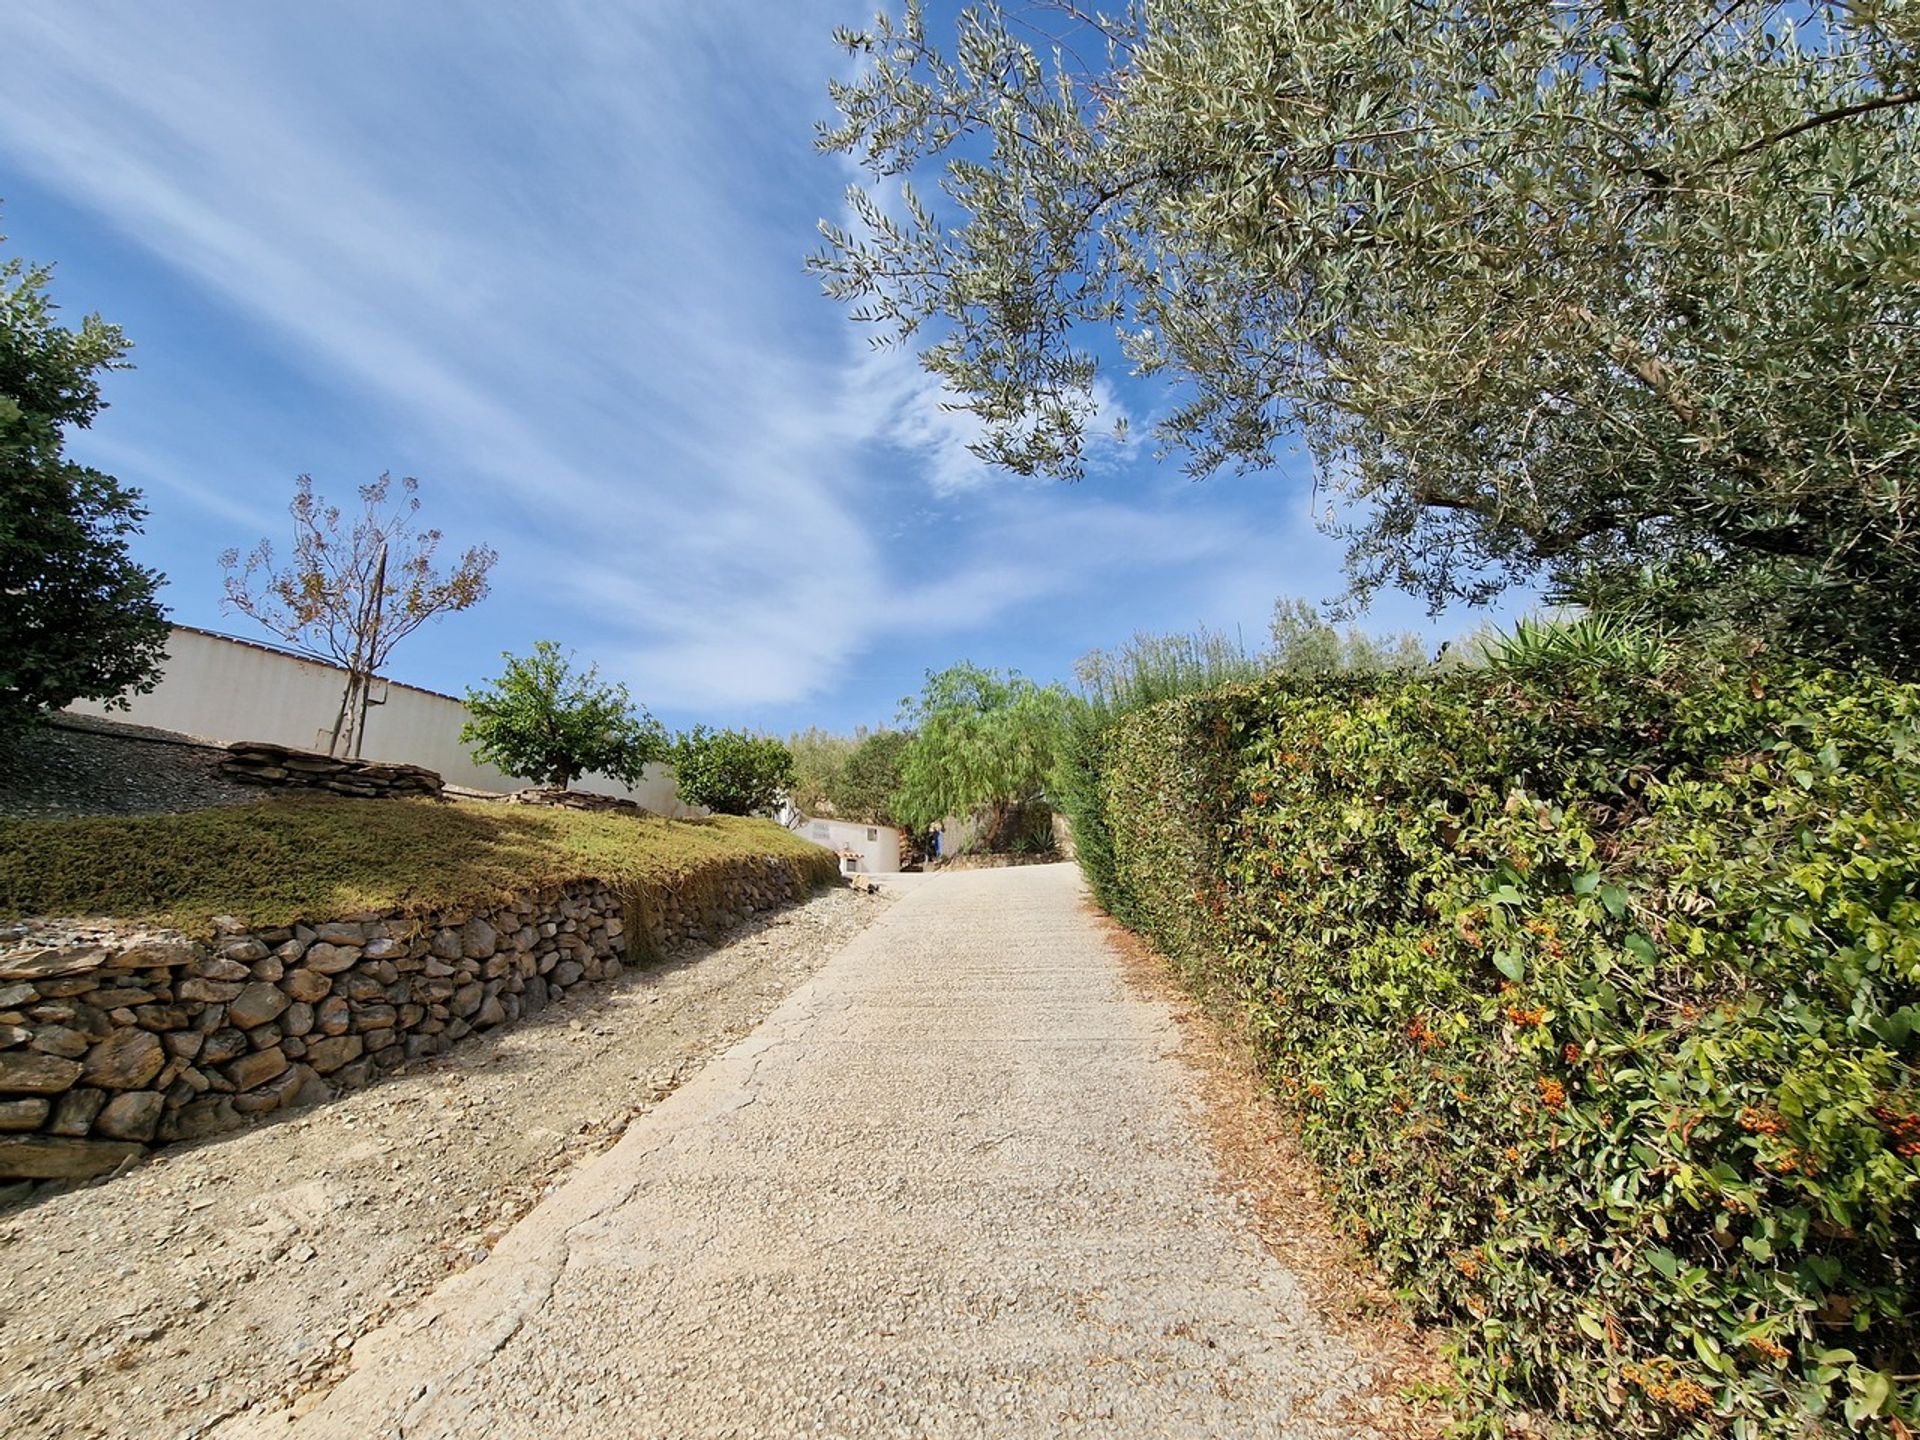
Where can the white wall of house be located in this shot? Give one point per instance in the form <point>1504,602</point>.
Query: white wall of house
<point>219,688</point>
<point>877,846</point>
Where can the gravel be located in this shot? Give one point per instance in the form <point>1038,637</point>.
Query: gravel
<point>241,1272</point>
<point>76,765</point>
<point>958,1184</point>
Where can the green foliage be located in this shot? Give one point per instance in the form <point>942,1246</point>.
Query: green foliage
<point>309,858</point>
<point>864,789</point>
<point>542,721</point>
<point>731,772</point>
<point>1305,643</point>
<point>1592,641</point>
<point>1589,292</point>
<point>819,758</point>
<point>982,740</point>
<point>79,620</point>
<point>1150,668</point>
<point>1596,987</point>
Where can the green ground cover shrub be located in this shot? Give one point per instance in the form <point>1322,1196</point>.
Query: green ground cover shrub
<point>1596,991</point>
<point>308,858</point>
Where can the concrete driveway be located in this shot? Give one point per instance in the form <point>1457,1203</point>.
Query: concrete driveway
<point>955,1185</point>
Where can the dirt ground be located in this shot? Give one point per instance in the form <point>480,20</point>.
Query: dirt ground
<point>243,1269</point>
<point>1262,1162</point>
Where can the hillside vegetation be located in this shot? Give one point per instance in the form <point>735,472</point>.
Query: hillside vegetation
<point>288,859</point>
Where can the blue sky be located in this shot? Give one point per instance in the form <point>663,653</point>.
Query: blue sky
<point>549,259</point>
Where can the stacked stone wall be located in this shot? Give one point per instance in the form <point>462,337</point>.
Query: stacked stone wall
<point>114,1041</point>
<point>258,762</point>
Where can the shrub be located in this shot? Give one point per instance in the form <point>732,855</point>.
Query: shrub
<point>544,723</point>
<point>731,772</point>
<point>1596,992</point>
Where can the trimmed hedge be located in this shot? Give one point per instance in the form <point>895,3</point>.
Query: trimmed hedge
<point>1597,997</point>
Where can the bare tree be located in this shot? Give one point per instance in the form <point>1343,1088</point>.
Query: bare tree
<point>351,595</point>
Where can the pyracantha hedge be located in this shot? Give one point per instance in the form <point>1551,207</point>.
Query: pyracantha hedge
<point>1596,994</point>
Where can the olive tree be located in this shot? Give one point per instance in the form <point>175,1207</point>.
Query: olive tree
<point>1625,297</point>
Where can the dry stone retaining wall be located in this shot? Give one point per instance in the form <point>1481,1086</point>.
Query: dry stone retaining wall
<point>127,1040</point>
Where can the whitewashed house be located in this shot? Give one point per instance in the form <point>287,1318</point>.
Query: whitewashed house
<point>863,849</point>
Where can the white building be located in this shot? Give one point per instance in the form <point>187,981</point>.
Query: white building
<point>219,688</point>
<point>863,849</point>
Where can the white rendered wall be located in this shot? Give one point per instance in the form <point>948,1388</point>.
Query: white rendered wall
<point>224,690</point>
<point>878,846</point>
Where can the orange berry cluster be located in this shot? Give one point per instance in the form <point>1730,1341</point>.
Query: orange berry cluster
<point>1761,1121</point>
<point>1524,1018</point>
<point>1902,1129</point>
<point>1662,1385</point>
<point>1552,1094</point>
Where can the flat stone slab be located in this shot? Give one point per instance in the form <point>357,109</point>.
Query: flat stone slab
<point>955,1185</point>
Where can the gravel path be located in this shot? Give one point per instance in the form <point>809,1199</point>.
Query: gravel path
<point>240,1272</point>
<point>956,1185</point>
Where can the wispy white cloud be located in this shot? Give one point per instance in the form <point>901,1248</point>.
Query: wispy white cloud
<point>557,249</point>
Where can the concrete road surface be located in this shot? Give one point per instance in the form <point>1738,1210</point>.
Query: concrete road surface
<point>955,1186</point>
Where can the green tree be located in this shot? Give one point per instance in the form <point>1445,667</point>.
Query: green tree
<point>1306,643</point>
<point>819,759</point>
<point>868,781</point>
<point>545,723</point>
<point>350,594</point>
<point>1600,295</point>
<point>79,620</point>
<point>731,772</point>
<point>983,741</point>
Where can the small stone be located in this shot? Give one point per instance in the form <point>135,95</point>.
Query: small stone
<point>446,945</point>
<point>133,1116</point>
<point>271,968</point>
<point>24,1114</point>
<point>245,951</point>
<point>330,1054</point>
<point>375,1017</point>
<point>331,959</point>
<point>334,1015</point>
<point>76,1110</point>
<point>251,1070</point>
<point>468,998</point>
<point>125,1060</point>
<point>213,991</point>
<point>384,949</point>
<point>12,997</point>
<point>41,1157</point>
<point>29,1072</point>
<point>491,1013</point>
<point>341,932</point>
<point>221,967</point>
<point>183,1043</point>
<point>223,1045</point>
<point>59,1040</point>
<point>307,985</point>
<point>478,939</point>
<point>567,972</point>
<point>298,1019</point>
<point>259,1003</point>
